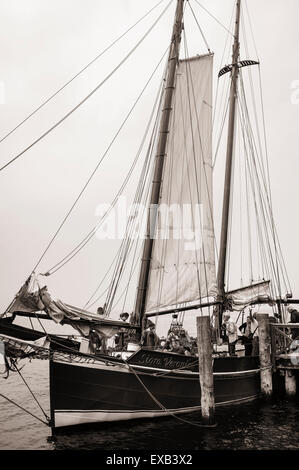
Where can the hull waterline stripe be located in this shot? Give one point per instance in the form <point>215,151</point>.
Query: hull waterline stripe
<point>73,417</point>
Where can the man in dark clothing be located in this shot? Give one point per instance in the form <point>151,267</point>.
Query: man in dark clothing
<point>294,319</point>
<point>176,347</point>
<point>245,328</point>
<point>150,338</point>
<point>95,342</point>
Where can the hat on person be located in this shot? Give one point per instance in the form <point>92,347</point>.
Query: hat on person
<point>291,309</point>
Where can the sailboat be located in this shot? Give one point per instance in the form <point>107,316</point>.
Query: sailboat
<point>177,274</point>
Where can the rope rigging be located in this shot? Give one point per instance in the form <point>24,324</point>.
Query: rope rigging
<point>142,192</point>
<point>265,206</point>
<point>128,241</point>
<point>266,183</point>
<point>259,191</point>
<point>143,177</point>
<point>80,72</point>
<point>214,18</point>
<point>41,137</point>
<point>199,27</point>
<point>266,258</point>
<point>24,409</point>
<point>12,366</point>
<point>88,237</point>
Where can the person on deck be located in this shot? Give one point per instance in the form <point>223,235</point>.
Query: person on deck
<point>248,329</point>
<point>150,339</point>
<point>124,316</point>
<point>232,334</point>
<point>177,332</point>
<point>101,311</point>
<point>176,347</point>
<point>165,345</point>
<point>294,314</point>
<point>184,338</point>
<point>255,335</point>
<point>223,333</point>
<point>95,342</point>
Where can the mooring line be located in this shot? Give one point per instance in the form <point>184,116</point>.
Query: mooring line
<point>23,409</point>
<point>36,400</point>
<point>162,406</point>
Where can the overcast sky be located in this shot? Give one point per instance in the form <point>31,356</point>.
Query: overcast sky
<point>43,44</point>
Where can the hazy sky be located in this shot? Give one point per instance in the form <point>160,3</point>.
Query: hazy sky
<point>43,44</point>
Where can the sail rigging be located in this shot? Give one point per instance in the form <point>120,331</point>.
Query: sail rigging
<point>183,263</point>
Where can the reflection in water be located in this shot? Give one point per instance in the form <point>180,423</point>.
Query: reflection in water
<point>253,426</point>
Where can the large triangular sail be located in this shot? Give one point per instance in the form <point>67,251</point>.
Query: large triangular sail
<point>182,263</point>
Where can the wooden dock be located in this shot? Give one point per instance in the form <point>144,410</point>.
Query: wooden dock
<point>284,348</point>
<point>278,353</point>
<point>285,353</point>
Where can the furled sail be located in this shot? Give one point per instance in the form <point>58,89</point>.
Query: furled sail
<point>243,297</point>
<point>32,298</point>
<point>182,265</point>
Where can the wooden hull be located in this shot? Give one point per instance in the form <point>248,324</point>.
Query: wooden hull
<point>104,392</point>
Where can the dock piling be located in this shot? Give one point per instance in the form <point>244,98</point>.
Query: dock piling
<point>290,383</point>
<point>265,354</point>
<point>205,360</point>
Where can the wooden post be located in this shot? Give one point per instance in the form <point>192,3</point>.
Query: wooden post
<point>290,383</point>
<point>205,360</point>
<point>265,354</point>
<point>273,345</point>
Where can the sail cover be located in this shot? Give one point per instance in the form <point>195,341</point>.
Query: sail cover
<point>182,265</point>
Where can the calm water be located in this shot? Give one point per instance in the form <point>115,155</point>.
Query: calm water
<point>255,426</point>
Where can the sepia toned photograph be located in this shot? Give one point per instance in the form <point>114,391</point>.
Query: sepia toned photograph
<point>149,233</point>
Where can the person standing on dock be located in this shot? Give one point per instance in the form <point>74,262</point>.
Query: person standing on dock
<point>294,319</point>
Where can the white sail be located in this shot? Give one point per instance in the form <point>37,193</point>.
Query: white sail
<point>183,265</point>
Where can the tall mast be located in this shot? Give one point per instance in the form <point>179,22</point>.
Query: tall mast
<point>229,157</point>
<point>161,148</point>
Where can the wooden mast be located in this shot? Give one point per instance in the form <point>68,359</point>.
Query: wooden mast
<point>229,160</point>
<point>161,148</point>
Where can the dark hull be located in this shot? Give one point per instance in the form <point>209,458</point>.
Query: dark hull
<point>99,392</point>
